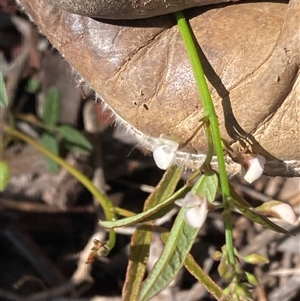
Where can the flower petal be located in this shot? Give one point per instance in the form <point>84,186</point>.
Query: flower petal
<point>196,216</point>
<point>189,200</point>
<point>255,169</point>
<point>285,212</point>
<point>164,152</point>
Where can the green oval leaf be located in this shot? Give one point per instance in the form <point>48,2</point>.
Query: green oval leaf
<point>74,137</point>
<point>178,245</point>
<point>50,143</point>
<point>51,108</point>
<point>3,93</point>
<point>139,254</point>
<point>4,175</point>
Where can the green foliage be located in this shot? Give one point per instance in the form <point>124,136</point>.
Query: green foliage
<point>51,108</point>
<point>178,245</point>
<point>33,86</point>
<point>139,254</point>
<point>55,134</point>
<point>3,93</point>
<point>141,239</point>
<point>207,186</point>
<point>74,139</point>
<point>51,144</point>
<point>4,175</point>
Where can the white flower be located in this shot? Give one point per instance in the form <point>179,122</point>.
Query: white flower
<point>164,152</point>
<point>278,209</point>
<point>196,212</point>
<point>253,168</point>
<point>285,212</point>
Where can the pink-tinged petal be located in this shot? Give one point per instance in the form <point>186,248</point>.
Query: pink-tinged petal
<point>189,200</point>
<point>196,216</point>
<point>255,169</point>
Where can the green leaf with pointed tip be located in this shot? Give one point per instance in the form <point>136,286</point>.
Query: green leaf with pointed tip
<point>51,108</point>
<point>151,214</point>
<point>73,136</point>
<point>139,254</point>
<point>195,270</point>
<point>3,93</point>
<point>192,266</point>
<point>178,245</point>
<point>164,188</point>
<point>141,239</point>
<point>247,211</point>
<point>207,186</point>
<point>50,143</point>
<point>4,175</point>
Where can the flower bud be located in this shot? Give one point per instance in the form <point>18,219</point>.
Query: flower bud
<point>279,210</point>
<point>217,255</point>
<point>252,279</point>
<point>255,258</point>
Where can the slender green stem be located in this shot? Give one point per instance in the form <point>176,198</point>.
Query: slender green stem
<point>103,200</point>
<point>209,112</point>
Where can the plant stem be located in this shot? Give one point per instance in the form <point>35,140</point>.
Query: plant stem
<point>209,112</point>
<point>103,200</point>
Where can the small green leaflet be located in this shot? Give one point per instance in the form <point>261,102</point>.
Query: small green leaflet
<point>74,137</point>
<point>207,186</point>
<point>50,143</point>
<point>3,93</point>
<point>51,108</point>
<point>4,175</point>
<point>33,86</point>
